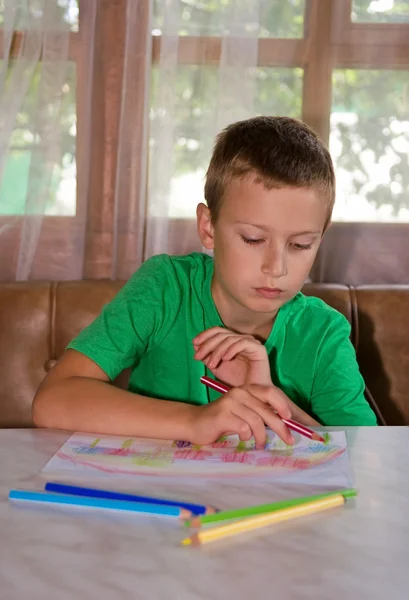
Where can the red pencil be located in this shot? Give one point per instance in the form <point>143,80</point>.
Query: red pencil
<point>221,387</point>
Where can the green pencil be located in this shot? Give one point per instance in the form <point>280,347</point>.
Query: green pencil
<point>249,511</point>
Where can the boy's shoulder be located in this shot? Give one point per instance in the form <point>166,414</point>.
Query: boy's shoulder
<point>317,313</point>
<point>165,278</point>
<point>193,262</point>
<point>166,267</point>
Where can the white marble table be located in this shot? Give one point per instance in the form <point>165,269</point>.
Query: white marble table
<point>358,552</point>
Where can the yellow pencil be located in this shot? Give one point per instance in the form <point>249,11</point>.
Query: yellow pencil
<point>217,533</point>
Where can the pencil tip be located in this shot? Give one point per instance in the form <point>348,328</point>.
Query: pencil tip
<point>210,510</point>
<point>186,542</point>
<point>185,514</point>
<point>318,438</point>
<point>195,522</point>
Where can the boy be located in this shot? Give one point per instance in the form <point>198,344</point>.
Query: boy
<point>239,317</point>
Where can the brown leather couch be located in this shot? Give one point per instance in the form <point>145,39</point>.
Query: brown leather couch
<point>37,320</point>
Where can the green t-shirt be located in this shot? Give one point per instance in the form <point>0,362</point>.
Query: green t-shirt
<point>149,327</point>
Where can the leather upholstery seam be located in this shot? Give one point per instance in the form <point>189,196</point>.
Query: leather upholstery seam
<point>53,311</point>
<point>354,316</point>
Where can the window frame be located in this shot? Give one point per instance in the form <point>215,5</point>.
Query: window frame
<point>99,63</point>
<point>331,40</point>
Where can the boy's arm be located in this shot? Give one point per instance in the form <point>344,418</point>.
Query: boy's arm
<point>76,395</point>
<point>337,396</point>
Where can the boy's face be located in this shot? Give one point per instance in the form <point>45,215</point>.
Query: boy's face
<point>264,242</point>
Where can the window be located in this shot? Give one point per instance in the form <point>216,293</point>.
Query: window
<point>39,174</point>
<point>340,65</point>
<point>68,11</point>
<point>196,98</point>
<point>44,73</point>
<point>275,18</point>
<point>29,147</point>
<point>369,143</point>
<point>380,11</point>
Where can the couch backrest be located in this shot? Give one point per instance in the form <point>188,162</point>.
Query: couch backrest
<point>37,320</point>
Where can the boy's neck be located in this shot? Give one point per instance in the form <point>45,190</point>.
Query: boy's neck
<point>238,318</point>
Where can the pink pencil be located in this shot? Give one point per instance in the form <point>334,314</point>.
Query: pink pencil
<point>221,387</point>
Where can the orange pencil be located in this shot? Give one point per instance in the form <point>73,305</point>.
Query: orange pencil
<point>221,387</point>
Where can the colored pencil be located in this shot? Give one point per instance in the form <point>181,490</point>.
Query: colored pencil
<point>243,525</point>
<point>61,488</point>
<point>249,511</point>
<point>99,503</point>
<point>221,387</point>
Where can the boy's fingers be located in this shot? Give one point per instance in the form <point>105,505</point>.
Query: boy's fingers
<point>255,423</point>
<point>276,424</point>
<point>216,355</point>
<point>248,346</point>
<point>209,345</point>
<point>269,418</point>
<point>239,426</point>
<point>223,350</point>
<point>226,346</point>
<point>208,333</point>
<point>272,396</point>
<point>258,414</point>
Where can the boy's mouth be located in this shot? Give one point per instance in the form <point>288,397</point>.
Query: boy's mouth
<point>266,292</point>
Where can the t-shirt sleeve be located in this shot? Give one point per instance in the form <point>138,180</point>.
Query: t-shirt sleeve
<point>140,315</point>
<point>337,396</point>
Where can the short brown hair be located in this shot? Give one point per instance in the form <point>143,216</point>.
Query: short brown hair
<point>280,151</point>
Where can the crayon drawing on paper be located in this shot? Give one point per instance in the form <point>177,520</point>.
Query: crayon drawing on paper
<point>85,453</point>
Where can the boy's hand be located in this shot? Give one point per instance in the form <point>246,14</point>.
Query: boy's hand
<point>234,358</point>
<point>243,411</point>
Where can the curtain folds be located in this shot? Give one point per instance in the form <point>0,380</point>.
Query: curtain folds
<point>109,109</point>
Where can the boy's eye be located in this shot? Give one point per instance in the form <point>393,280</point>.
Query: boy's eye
<point>302,246</point>
<point>251,240</point>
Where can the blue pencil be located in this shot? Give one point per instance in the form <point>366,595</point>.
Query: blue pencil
<point>196,509</point>
<point>104,503</point>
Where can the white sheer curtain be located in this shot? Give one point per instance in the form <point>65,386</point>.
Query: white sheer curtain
<point>72,215</point>
<point>38,135</point>
<point>109,108</point>
<point>340,65</point>
<point>176,188</point>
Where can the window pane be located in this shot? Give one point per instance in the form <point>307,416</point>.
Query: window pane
<point>60,14</point>
<point>278,92</point>
<point>70,12</point>
<point>50,177</point>
<point>369,143</point>
<point>272,18</point>
<point>380,11</point>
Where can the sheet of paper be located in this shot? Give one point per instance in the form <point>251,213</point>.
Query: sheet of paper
<point>307,461</point>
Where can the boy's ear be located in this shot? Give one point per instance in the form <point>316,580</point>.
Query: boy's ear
<point>205,227</point>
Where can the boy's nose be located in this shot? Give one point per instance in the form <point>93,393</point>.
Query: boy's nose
<point>274,264</point>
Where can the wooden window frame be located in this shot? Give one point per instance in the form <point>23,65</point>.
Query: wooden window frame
<point>331,40</point>
<point>55,229</point>
<point>97,120</point>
